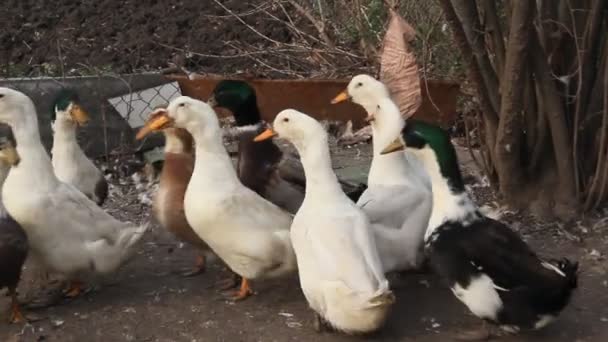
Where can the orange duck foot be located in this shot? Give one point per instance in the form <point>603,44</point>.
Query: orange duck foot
<point>74,289</point>
<point>199,267</point>
<point>16,315</point>
<point>244,292</point>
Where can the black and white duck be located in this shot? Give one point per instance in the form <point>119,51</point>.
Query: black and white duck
<point>13,240</point>
<point>485,263</point>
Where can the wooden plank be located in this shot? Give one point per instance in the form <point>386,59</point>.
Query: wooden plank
<point>313,97</point>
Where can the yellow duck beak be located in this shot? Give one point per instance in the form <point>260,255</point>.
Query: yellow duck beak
<point>159,120</point>
<point>267,134</point>
<point>396,145</point>
<point>79,115</point>
<point>9,154</point>
<point>343,96</point>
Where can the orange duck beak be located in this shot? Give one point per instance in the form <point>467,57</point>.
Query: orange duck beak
<point>343,96</point>
<point>267,134</point>
<point>158,120</point>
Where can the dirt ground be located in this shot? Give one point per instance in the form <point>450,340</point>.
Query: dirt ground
<point>89,37</point>
<point>149,301</point>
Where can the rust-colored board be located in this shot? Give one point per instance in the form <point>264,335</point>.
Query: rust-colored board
<point>313,97</point>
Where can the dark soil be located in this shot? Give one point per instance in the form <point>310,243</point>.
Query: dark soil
<point>148,301</point>
<point>89,37</point>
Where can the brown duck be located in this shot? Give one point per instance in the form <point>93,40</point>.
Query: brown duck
<point>13,240</point>
<point>168,205</point>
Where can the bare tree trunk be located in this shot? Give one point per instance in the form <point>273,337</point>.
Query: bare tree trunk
<point>466,10</point>
<point>566,192</point>
<point>495,32</point>
<point>509,134</point>
<point>490,115</point>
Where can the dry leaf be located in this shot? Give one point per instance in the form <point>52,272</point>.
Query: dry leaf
<point>398,67</point>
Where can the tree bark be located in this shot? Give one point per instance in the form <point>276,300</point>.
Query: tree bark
<point>466,11</point>
<point>490,115</point>
<point>496,35</point>
<point>556,117</point>
<point>509,133</point>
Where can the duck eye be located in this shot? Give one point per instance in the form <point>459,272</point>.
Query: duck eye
<point>182,104</point>
<point>1,96</point>
<point>359,84</point>
<point>286,120</point>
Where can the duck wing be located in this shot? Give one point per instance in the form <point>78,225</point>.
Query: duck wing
<point>346,251</point>
<point>494,249</point>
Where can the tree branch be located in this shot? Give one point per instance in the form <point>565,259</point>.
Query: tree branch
<point>318,24</point>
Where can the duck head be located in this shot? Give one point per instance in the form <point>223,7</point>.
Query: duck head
<point>238,97</point>
<point>16,108</point>
<point>296,127</point>
<point>182,112</point>
<point>434,147</point>
<point>365,91</point>
<point>67,108</point>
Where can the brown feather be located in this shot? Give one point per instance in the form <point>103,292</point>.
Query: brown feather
<point>174,179</point>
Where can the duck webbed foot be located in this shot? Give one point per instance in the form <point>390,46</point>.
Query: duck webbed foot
<point>75,289</point>
<point>199,267</point>
<point>15,316</point>
<point>244,292</point>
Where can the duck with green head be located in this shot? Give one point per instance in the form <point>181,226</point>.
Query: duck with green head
<point>258,164</point>
<point>485,263</point>
<point>70,163</point>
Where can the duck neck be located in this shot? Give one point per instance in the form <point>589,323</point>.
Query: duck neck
<point>450,199</point>
<point>321,181</point>
<point>64,134</point>
<point>247,113</point>
<point>35,160</point>
<point>392,168</point>
<point>212,159</point>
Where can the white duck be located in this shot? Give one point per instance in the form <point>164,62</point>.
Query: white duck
<point>249,233</point>
<point>70,163</point>
<point>340,272</point>
<point>67,232</point>
<point>398,199</point>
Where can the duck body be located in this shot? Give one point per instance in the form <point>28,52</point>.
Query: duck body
<point>249,233</point>
<point>67,231</point>
<point>398,198</point>
<point>340,271</point>
<point>13,250</point>
<point>168,205</point>
<point>485,263</point>
<point>259,169</point>
<point>70,163</point>
<point>497,276</point>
